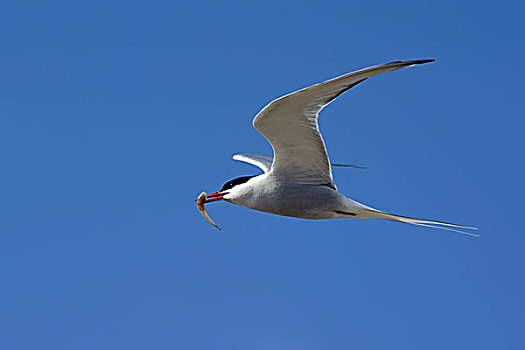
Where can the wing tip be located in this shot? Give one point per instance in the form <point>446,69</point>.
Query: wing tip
<point>414,62</point>
<point>425,60</point>
<point>348,165</point>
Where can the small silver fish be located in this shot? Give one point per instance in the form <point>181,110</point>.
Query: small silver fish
<point>201,204</point>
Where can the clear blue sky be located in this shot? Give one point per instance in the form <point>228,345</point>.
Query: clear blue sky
<point>114,116</point>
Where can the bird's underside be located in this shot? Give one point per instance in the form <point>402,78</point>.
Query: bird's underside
<point>281,197</point>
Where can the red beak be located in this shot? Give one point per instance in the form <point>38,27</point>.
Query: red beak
<point>215,196</point>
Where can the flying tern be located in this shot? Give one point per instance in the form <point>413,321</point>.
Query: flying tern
<point>298,180</point>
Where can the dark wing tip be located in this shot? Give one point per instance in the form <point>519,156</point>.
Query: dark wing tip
<point>348,166</point>
<point>426,60</point>
<point>413,62</point>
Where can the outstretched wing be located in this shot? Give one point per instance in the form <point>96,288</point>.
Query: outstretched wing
<point>263,162</point>
<point>289,123</point>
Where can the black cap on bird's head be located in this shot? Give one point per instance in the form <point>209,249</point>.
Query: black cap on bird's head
<point>232,183</point>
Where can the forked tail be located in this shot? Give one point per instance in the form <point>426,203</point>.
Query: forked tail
<point>420,222</point>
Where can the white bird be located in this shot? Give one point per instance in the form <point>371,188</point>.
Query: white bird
<point>298,180</point>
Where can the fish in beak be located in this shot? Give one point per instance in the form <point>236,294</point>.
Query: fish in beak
<point>215,196</point>
<point>203,199</point>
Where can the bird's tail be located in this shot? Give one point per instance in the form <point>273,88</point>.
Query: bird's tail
<point>373,213</point>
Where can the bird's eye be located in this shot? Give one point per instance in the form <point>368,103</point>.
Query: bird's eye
<point>226,186</point>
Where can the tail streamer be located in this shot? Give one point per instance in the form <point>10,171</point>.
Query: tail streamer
<point>422,222</point>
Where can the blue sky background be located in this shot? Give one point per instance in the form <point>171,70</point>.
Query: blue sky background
<point>115,115</point>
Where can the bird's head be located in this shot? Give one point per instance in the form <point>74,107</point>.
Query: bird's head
<point>227,188</point>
